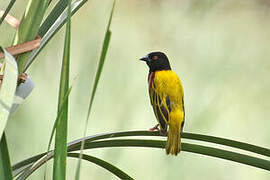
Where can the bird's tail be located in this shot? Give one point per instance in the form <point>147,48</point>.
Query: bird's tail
<point>173,145</point>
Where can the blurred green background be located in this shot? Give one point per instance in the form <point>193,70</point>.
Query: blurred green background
<point>220,50</point>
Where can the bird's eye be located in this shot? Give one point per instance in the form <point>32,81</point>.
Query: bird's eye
<point>155,58</point>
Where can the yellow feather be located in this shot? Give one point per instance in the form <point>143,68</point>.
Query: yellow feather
<point>167,84</point>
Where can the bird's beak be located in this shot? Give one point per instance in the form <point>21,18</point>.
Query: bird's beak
<point>145,58</point>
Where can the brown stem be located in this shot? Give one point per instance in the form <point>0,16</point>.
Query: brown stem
<point>12,21</point>
<point>22,48</point>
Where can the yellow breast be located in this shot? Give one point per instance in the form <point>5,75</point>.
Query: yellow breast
<point>167,83</point>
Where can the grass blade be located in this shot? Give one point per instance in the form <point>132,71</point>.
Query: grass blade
<point>75,145</point>
<point>54,14</point>
<point>5,167</point>
<point>97,77</point>
<point>7,11</point>
<point>8,88</point>
<point>29,27</point>
<point>59,114</point>
<point>199,149</point>
<point>59,166</point>
<point>191,136</point>
<point>228,142</point>
<point>204,150</point>
<point>113,169</point>
<point>7,92</point>
<point>59,22</point>
<point>101,60</point>
<point>23,165</point>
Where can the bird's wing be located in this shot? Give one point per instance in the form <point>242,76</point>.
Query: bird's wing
<point>183,104</point>
<point>161,108</point>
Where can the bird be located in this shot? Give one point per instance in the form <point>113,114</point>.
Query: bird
<point>167,99</point>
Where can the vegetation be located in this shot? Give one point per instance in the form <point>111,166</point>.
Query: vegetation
<point>41,22</point>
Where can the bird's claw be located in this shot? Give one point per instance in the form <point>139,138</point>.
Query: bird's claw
<point>154,128</point>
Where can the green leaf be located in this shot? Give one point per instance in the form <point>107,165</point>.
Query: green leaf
<point>101,61</point>
<point>199,149</point>
<point>59,114</point>
<point>11,3</point>
<point>7,89</point>
<point>59,166</point>
<point>228,155</point>
<point>5,167</point>
<point>29,26</point>
<point>51,31</point>
<point>113,169</point>
<point>204,150</point>
<point>54,14</point>
<point>228,142</point>
<point>191,136</point>
<point>97,77</point>
<point>241,158</point>
<point>23,165</point>
<point>7,92</point>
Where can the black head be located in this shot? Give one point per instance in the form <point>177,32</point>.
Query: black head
<point>157,61</point>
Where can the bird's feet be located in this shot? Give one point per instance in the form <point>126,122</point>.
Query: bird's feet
<point>154,128</point>
<point>163,132</point>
